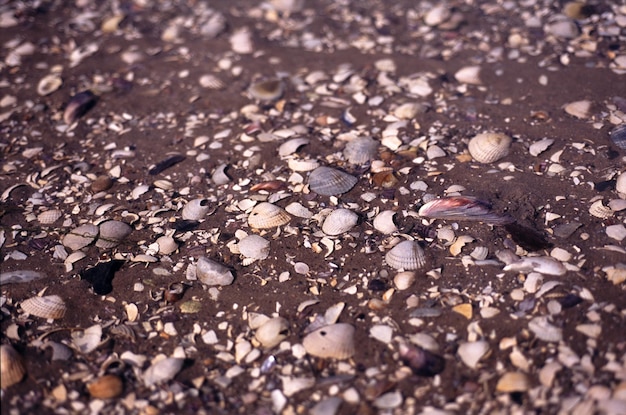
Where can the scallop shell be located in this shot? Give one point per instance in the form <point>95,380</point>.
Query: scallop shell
<point>48,84</point>
<point>163,370</point>
<point>383,222</point>
<point>211,273</point>
<point>266,215</point>
<point>267,90</point>
<point>211,81</point>
<point>361,150</point>
<point>335,341</point>
<point>489,147</point>
<point>407,255</point>
<point>12,368</point>
<point>272,332</point>
<point>196,209</point>
<point>254,246</point>
<point>328,181</point>
<point>80,237</point>
<point>339,221</point>
<point>106,387</point>
<point>112,232</point>
<point>49,306</point>
<point>49,216</point>
<point>618,136</point>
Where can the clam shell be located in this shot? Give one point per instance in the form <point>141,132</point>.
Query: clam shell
<point>49,306</point>
<point>106,387</point>
<point>49,216</point>
<point>335,341</point>
<point>163,370</point>
<point>211,273</point>
<point>328,181</point>
<point>266,215</point>
<point>254,246</point>
<point>48,84</point>
<point>407,255</point>
<point>272,332</point>
<point>339,221</point>
<point>383,222</point>
<point>80,237</point>
<point>544,330</point>
<point>112,232</point>
<point>489,147</point>
<point>361,150</point>
<point>211,81</point>
<point>12,368</point>
<point>88,340</point>
<point>579,109</point>
<point>303,164</point>
<point>167,245</point>
<point>267,90</point>
<point>618,136</point>
<point>196,209</point>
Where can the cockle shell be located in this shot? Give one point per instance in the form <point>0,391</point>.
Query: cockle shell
<point>211,81</point>
<point>361,150</point>
<point>272,332</point>
<point>112,232</point>
<point>49,306</point>
<point>620,185</point>
<point>196,209</point>
<point>383,222</point>
<point>254,246</point>
<point>489,147</point>
<point>599,210</point>
<point>211,273</point>
<point>462,208</point>
<point>339,221</point>
<point>12,368</point>
<point>266,215</point>
<point>335,341</point>
<point>163,370</point>
<point>81,236</point>
<point>407,255</point>
<point>49,216</point>
<point>267,90</point>
<point>328,181</point>
<point>106,387</point>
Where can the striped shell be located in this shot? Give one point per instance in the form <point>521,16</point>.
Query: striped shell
<point>599,210</point>
<point>12,368</point>
<point>361,150</point>
<point>267,90</point>
<point>489,147</point>
<point>196,209</point>
<point>49,216</point>
<point>112,232</point>
<point>49,306</point>
<point>254,246</point>
<point>80,237</point>
<point>328,181</point>
<point>266,215</point>
<point>406,255</point>
<point>335,341</point>
<point>462,208</point>
<point>211,81</point>
<point>339,221</point>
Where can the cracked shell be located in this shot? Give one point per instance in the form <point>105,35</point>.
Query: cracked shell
<point>49,306</point>
<point>361,150</point>
<point>489,147</point>
<point>266,215</point>
<point>112,232</point>
<point>254,246</point>
<point>407,255</point>
<point>327,181</point>
<point>339,221</point>
<point>196,209</point>
<point>80,237</point>
<point>12,368</point>
<point>335,341</point>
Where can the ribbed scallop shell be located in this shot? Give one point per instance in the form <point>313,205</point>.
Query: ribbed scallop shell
<point>361,150</point>
<point>211,81</point>
<point>49,306</point>
<point>328,181</point>
<point>267,90</point>
<point>49,216</point>
<point>266,215</point>
<point>196,209</point>
<point>406,255</point>
<point>383,222</point>
<point>339,221</point>
<point>254,246</point>
<point>599,210</point>
<point>335,341</point>
<point>12,368</point>
<point>489,147</point>
<point>80,237</point>
<point>618,136</point>
<point>112,232</point>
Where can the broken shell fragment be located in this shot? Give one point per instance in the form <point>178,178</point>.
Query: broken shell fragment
<point>272,332</point>
<point>163,370</point>
<point>196,209</point>
<point>544,330</point>
<point>254,246</point>
<point>462,208</point>
<point>267,215</point>
<point>513,382</point>
<point>489,147</point>
<point>167,245</point>
<point>383,222</point>
<point>403,280</point>
<point>542,264</point>
<point>112,232</point>
<point>80,237</point>
<point>49,306</point>
<point>599,210</point>
<point>339,221</point>
<point>407,255</point>
<point>49,216</point>
<point>360,150</point>
<point>213,273</point>
<point>12,368</point>
<point>618,136</point>
<point>579,109</point>
<point>106,387</point>
<point>471,352</point>
<point>468,75</point>
<point>48,84</point>
<point>78,106</point>
<point>298,210</point>
<point>267,90</point>
<point>327,181</point>
<point>335,341</point>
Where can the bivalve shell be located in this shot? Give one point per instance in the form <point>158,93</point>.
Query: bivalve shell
<point>383,222</point>
<point>339,221</point>
<point>12,368</point>
<point>407,255</point>
<point>112,232</point>
<point>211,273</point>
<point>254,246</point>
<point>292,146</point>
<point>196,209</point>
<point>335,341</point>
<point>80,237</point>
<point>49,306</point>
<point>489,147</point>
<point>266,215</point>
<point>167,245</point>
<point>272,332</point>
<point>163,370</point>
<point>48,84</point>
<point>513,382</point>
<point>267,90</point>
<point>618,136</point>
<point>599,210</point>
<point>299,210</point>
<point>469,75</point>
<point>620,185</point>
<point>327,181</point>
<point>106,387</point>
<point>49,216</point>
<point>361,150</point>
<point>471,352</point>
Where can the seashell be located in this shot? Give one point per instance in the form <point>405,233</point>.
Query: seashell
<point>254,246</point>
<point>544,330</point>
<point>489,147</point>
<point>579,109</point>
<point>302,165</point>
<point>88,340</point>
<point>298,210</point>
<point>272,332</point>
<point>266,215</point>
<point>163,184</point>
<point>241,41</point>
<point>214,25</point>
<point>163,370</point>
<point>462,208</point>
<point>335,341</point>
<point>618,136</point>
<point>409,110</point>
<point>542,264</point>
<point>80,237</point>
<point>540,146</point>
<point>220,176</point>
<point>287,6</point>
<point>196,209</point>
<point>620,185</point>
<point>469,75</point>
<point>599,210</point>
<point>20,275</point>
<point>471,352</point>
<point>49,306</point>
<point>167,245</point>
<point>12,368</point>
<point>361,150</point>
<point>407,255</point>
<point>48,84</point>
<point>138,191</point>
<point>422,362</point>
<point>78,106</point>
<point>327,181</point>
<point>112,232</point>
<point>267,90</point>
<point>513,382</point>
<point>339,221</point>
<point>211,273</point>
<point>106,387</point>
<point>403,280</point>
<point>211,81</point>
<point>49,216</point>
<point>383,222</point>
<point>291,146</point>
<point>437,15</point>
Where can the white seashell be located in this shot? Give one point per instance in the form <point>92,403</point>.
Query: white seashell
<point>112,232</point>
<point>328,181</point>
<point>88,340</point>
<point>48,84</point>
<point>298,210</point>
<point>49,216</point>
<point>599,210</point>
<point>12,368</point>
<point>540,146</point>
<point>49,306</point>
<point>544,330</point>
<point>211,273</point>
<point>579,109</point>
<point>272,332</point>
<point>408,111</point>
<point>383,222</point>
<point>211,81</point>
<point>489,147</point>
<point>163,184</point>
<point>266,215</point>
<point>80,237</point>
<point>513,382</point>
<point>339,221</point>
<point>287,6</point>
<point>241,41</point>
<point>196,209</point>
<point>403,280</point>
<point>542,264</point>
<point>471,352</point>
<point>335,341</point>
<point>220,176</point>
<point>620,185</point>
<point>361,150</point>
<point>437,15</point>
<point>214,26</point>
<point>254,246</point>
<point>291,146</point>
<point>407,255</point>
<point>302,165</point>
<point>480,253</point>
<point>163,370</point>
<point>167,245</point>
<point>446,235</point>
<point>138,191</point>
<point>469,75</point>
<point>617,232</point>
<point>267,90</point>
